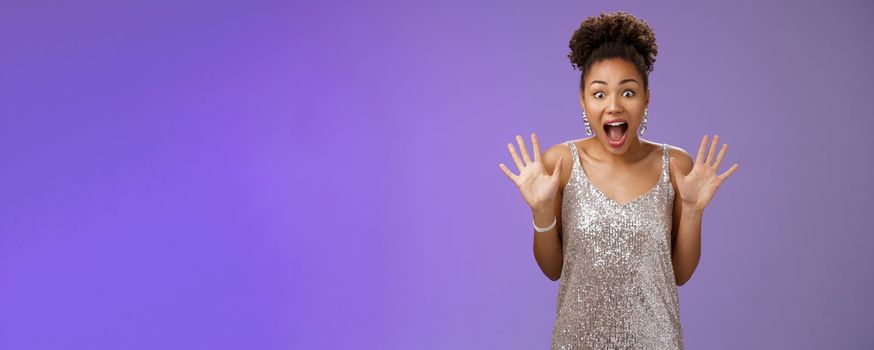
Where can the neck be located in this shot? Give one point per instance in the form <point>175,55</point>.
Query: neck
<point>634,152</point>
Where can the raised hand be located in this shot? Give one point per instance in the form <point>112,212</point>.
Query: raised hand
<point>536,185</point>
<point>698,187</point>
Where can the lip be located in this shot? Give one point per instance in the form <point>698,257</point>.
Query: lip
<point>615,120</point>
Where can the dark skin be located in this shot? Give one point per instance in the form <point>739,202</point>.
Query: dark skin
<point>612,91</point>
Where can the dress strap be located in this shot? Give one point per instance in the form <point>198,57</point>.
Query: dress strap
<point>573,147</point>
<point>666,165</point>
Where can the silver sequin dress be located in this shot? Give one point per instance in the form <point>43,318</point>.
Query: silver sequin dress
<point>617,288</point>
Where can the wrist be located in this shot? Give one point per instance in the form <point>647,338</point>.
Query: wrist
<point>544,212</point>
<point>690,209</point>
<point>543,216</point>
<point>545,228</point>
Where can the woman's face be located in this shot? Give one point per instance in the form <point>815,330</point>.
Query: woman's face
<point>614,99</point>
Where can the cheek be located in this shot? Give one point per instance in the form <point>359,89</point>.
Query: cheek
<point>636,108</point>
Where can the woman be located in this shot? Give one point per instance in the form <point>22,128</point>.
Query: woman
<point>619,218</point>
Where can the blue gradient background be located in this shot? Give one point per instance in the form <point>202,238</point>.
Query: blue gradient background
<point>324,175</point>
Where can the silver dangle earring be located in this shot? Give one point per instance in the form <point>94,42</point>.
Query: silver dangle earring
<point>643,126</point>
<point>586,120</point>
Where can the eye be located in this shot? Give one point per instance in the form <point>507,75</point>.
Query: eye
<point>599,94</point>
<point>628,93</point>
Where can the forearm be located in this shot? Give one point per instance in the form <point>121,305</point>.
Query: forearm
<point>687,247</point>
<point>547,245</point>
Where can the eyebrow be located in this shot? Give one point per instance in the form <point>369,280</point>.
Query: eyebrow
<point>620,83</point>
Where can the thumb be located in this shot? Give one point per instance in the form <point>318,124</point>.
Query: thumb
<point>678,174</point>
<point>556,172</point>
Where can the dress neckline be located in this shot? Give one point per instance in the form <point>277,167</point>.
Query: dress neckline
<point>600,193</point>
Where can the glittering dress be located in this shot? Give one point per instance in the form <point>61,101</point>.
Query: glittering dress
<point>617,287</point>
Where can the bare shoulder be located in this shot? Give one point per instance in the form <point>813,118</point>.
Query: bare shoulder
<point>682,159</point>
<point>553,154</point>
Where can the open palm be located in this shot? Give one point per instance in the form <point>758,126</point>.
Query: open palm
<point>698,187</point>
<point>536,185</point>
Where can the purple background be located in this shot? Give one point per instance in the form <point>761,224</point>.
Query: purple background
<point>195,175</point>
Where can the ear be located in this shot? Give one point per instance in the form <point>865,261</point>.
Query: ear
<point>582,98</point>
<point>646,99</point>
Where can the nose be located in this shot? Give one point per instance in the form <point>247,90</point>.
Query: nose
<point>613,106</point>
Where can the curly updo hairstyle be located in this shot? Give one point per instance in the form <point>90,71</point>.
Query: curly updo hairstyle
<point>613,35</point>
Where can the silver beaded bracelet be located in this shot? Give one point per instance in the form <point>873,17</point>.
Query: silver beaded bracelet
<point>545,229</point>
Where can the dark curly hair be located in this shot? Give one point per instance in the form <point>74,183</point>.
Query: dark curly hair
<point>613,35</point>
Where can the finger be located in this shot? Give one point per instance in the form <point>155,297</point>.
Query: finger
<point>678,174</point>
<point>728,172</point>
<point>719,157</point>
<point>524,149</point>
<point>516,159</point>
<point>712,149</point>
<point>700,157</point>
<point>507,172</point>
<point>536,145</point>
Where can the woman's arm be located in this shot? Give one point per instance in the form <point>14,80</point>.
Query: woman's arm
<point>686,228</point>
<point>687,250</point>
<point>695,184</point>
<point>541,190</point>
<point>547,245</point>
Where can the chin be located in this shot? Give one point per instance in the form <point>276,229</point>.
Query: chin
<point>614,149</point>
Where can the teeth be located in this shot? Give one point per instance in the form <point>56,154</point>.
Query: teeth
<point>615,123</point>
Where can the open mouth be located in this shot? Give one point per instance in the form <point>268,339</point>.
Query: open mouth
<point>616,132</point>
